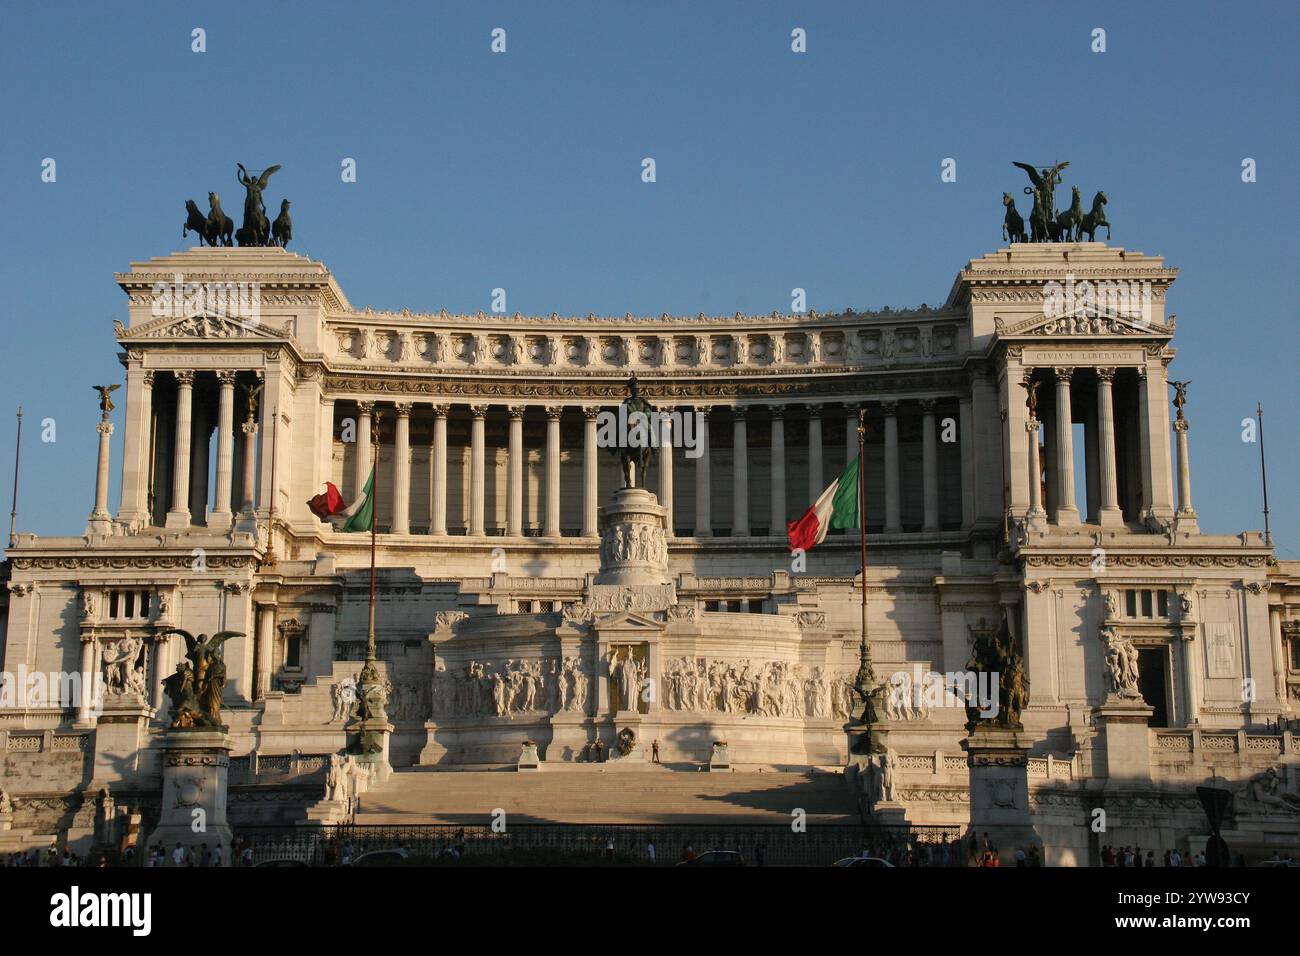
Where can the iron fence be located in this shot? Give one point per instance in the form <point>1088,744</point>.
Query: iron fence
<point>602,844</point>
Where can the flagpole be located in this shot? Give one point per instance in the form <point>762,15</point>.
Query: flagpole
<point>1263,472</point>
<point>18,451</point>
<point>866,679</point>
<point>374,515</point>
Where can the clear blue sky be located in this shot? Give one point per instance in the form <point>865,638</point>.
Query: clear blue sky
<point>775,170</point>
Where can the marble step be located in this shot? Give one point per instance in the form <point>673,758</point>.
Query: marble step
<point>664,797</point>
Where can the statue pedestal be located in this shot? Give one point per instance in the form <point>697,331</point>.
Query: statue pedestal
<point>368,741</point>
<point>633,540</point>
<point>720,758</point>
<point>193,807</point>
<point>121,736</point>
<point>998,759</point>
<point>528,759</point>
<point>1125,749</point>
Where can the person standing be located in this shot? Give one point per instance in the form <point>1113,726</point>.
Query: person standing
<point>650,852</point>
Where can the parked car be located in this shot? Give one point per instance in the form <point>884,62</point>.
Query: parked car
<point>716,858</point>
<point>863,861</point>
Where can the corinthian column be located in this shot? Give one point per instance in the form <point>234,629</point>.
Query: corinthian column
<point>815,487</point>
<point>929,467</point>
<point>739,474</point>
<point>515,471</point>
<point>893,498</point>
<point>438,472</point>
<point>1186,516</point>
<point>1036,512</point>
<point>220,518</point>
<point>666,466</point>
<point>776,523</point>
<point>137,493</point>
<point>101,522</point>
<point>477,494</point>
<point>590,463</point>
<point>1067,513</point>
<point>1109,513</point>
<point>703,509</point>
<point>361,467</point>
<point>179,514</point>
<point>402,470</point>
<point>249,483</point>
<point>551,529</point>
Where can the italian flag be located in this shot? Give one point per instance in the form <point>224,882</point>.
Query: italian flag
<point>836,508</point>
<point>357,516</point>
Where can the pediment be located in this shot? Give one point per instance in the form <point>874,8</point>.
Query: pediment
<point>627,621</point>
<point>201,327</point>
<point>1084,322</point>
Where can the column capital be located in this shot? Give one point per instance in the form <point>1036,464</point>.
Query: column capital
<point>147,379</point>
<point>226,377</point>
<point>1106,375</point>
<point>738,412</point>
<point>440,409</point>
<point>403,409</point>
<point>249,427</point>
<point>553,412</point>
<point>1032,426</point>
<point>890,407</point>
<point>928,405</point>
<point>776,411</point>
<point>1180,425</point>
<point>705,410</point>
<point>591,412</point>
<point>478,410</point>
<point>184,376</point>
<point>516,411</point>
<point>813,408</point>
<point>366,408</point>
<point>1063,374</point>
<point>105,427</point>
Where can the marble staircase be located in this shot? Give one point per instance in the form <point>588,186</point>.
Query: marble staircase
<point>587,793</point>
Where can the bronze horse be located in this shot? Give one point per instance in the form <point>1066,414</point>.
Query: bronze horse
<point>1095,217</point>
<point>1013,227</point>
<point>194,222</point>
<point>219,225</point>
<point>1069,223</point>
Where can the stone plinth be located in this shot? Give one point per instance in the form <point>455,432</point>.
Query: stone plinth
<point>528,759</point>
<point>195,765</point>
<point>720,758</point>
<point>633,540</point>
<point>998,759</point>
<point>1125,749</point>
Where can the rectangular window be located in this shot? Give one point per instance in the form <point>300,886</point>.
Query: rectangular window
<point>1162,603</point>
<point>293,652</point>
<point>756,607</point>
<point>525,607</point>
<point>711,605</point>
<point>1130,603</point>
<point>112,604</point>
<point>1295,654</point>
<point>733,607</point>
<point>545,607</point>
<point>130,605</point>
<point>1146,603</point>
